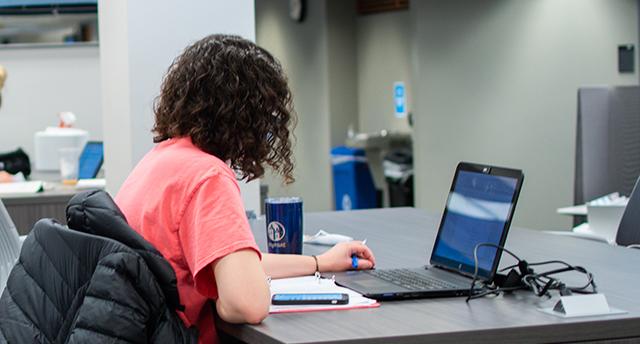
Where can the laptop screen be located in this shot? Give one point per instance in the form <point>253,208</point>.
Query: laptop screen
<point>90,160</point>
<point>478,210</point>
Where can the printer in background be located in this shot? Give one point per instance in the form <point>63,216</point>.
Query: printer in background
<point>48,143</point>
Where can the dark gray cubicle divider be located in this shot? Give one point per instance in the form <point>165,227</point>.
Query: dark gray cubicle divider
<point>591,135</point>
<point>607,141</point>
<point>624,137</point>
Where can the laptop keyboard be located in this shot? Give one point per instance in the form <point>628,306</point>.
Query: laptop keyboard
<point>411,280</point>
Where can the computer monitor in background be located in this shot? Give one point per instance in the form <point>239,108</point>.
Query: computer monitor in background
<point>91,160</point>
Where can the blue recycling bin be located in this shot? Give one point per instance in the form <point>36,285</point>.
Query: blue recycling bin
<point>352,182</point>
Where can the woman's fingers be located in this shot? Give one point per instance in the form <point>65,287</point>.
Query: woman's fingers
<point>363,251</point>
<point>365,257</point>
<point>364,264</point>
<point>345,256</point>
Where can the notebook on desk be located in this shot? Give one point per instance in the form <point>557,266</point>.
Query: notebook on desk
<point>21,188</point>
<point>312,284</point>
<point>479,209</point>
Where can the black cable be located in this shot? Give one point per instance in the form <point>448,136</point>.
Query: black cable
<point>539,283</point>
<point>475,263</point>
<point>555,261</point>
<point>577,268</point>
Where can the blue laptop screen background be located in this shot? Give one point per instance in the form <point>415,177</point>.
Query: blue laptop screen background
<point>477,211</point>
<point>90,160</point>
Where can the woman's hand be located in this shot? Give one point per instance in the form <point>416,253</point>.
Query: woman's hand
<point>338,258</point>
<point>5,177</point>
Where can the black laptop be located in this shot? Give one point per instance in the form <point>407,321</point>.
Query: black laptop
<point>479,209</point>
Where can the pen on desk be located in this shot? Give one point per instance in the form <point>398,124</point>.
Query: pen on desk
<point>354,257</point>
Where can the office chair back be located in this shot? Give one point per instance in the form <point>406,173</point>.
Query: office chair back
<point>9,245</point>
<point>629,229</point>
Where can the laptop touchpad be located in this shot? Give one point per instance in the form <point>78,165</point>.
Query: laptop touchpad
<point>366,284</point>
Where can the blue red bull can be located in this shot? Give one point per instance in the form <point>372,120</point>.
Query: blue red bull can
<point>284,224</point>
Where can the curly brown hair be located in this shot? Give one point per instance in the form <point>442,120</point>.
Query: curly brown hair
<point>232,99</point>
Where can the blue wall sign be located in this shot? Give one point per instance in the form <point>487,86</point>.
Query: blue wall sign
<point>399,99</point>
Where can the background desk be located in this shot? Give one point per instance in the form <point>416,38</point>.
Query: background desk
<point>402,237</point>
<point>26,209</point>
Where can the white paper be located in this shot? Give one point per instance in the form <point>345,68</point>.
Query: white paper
<point>31,187</point>
<point>573,210</point>
<point>96,183</point>
<point>324,238</point>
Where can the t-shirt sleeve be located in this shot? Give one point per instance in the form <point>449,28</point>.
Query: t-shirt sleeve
<point>213,225</point>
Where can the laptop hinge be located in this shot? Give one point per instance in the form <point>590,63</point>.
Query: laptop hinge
<point>455,271</point>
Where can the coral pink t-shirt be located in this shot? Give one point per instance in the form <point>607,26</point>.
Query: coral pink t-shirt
<point>187,204</point>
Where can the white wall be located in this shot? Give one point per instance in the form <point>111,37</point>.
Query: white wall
<point>384,57</point>
<point>42,82</point>
<point>496,82</point>
<point>302,50</point>
<point>139,40</point>
<point>136,53</point>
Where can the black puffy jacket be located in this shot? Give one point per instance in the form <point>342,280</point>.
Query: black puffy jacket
<point>98,283</point>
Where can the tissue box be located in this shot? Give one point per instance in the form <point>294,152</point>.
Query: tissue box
<point>47,143</point>
<point>604,220</point>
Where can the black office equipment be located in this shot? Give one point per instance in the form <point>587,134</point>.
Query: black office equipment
<point>626,56</point>
<point>15,161</point>
<point>479,209</point>
<point>629,229</point>
<point>91,160</point>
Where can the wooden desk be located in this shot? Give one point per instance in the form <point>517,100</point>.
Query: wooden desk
<point>403,237</point>
<point>26,209</point>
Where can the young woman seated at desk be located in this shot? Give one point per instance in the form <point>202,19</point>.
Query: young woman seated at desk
<point>224,110</point>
